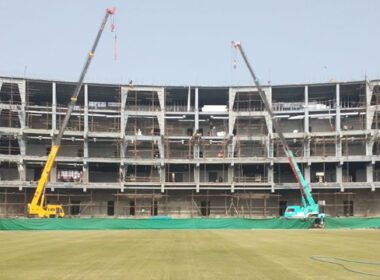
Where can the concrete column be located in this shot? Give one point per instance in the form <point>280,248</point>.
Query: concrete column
<point>1,84</point>
<point>339,147</point>
<point>271,177</point>
<point>196,176</point>
<point>337,123</point>
<point>85,148</point>
<point>230,174</point>
<point>231,99</point>
<point>337,119</point>
<point>161,115</point>
<point>53,174</point>
<point>22,90</point>
<point>123,148</point>
<point>268,120</point>
<point>270,145</point>
<point>368,92</point>
<point>307,141</point>
<point>21,171</point>
<point>123,143</point>
<point>85,141</point>
<point>196,109</point>
<point>369,146</point>
<point>22,144</point>
<point>85,174</point>
<point>231,148</point>
<point>54,108</point>
<point>306,120</point>
<point>370,111</point>
<point>196,151</point>
<point>21,112</point>
<point>307,173</point>
<point>270,174</point>
<point>369,170</point>
<point>122,176</point>
<point>339,174</point>
<point>189,100</point>
<point>231,122</point>
<point>307,123</point>
<point>123,121</point>
<point>85,111</point>
<point>161,98</point>
<point>162,172</point>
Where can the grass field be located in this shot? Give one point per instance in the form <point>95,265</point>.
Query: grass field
<point>186,254</point>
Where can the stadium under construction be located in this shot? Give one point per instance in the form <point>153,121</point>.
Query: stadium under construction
<point>140,151</point>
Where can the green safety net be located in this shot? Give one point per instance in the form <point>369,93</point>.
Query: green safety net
<point>352,223</point>
<point>163,223</point>
<point>195,223</point>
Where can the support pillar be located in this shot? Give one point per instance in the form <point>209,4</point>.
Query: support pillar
<point>307,139</point>
<point>369,171</point>
<point>306,120</point>
<point>370,110</point>
<point>162,172</point>
<point>85,171</point>
<point>339,175</point>
<point>54,108</point>
<point>369,146</point>
<point>307,173</point>
<point>337,119</point>
<point>21,111</point>
<point>196,176</point>
<point>85,125</point>
<point>21,171</point>
<point>230,174</point>
<point>196,123</point>
<point>53,174</point>
<point>271,177</point>
<point>161,114</point>
<point>189,100</point>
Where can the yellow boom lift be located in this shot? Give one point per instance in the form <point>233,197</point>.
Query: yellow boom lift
<point>37,207</point>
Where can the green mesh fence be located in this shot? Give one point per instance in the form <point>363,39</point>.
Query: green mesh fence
<point>197,223</point>
<point>352,223</point>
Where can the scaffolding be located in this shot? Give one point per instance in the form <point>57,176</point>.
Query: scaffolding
<point>243,205</point>
<point>183,145</point>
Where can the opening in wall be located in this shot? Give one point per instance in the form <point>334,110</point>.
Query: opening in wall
<point>8,171</point>
<point>348,208</point>
<point>132,208</point>
<point>75,207</point>
<point>205,208</point>
<point>154,208</point>
<point>282,207</point>
<point>10,93</point>
<point>110,208</point>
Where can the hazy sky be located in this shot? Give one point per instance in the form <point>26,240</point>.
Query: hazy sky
<point>172,42</point>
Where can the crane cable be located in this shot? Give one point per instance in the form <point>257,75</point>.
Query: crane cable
<point>333,260</point>
<point>113,28</point>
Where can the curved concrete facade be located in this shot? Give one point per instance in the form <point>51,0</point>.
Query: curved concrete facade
<point>190,151</point>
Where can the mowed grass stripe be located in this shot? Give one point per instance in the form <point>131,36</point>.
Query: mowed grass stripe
<point>184,254</point>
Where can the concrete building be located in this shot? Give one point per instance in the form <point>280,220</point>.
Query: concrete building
<point>190,151</point>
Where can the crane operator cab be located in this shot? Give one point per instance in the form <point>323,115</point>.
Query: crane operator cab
<point>50,211</point>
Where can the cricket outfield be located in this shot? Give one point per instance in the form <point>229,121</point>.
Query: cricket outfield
<point>188,254</point>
